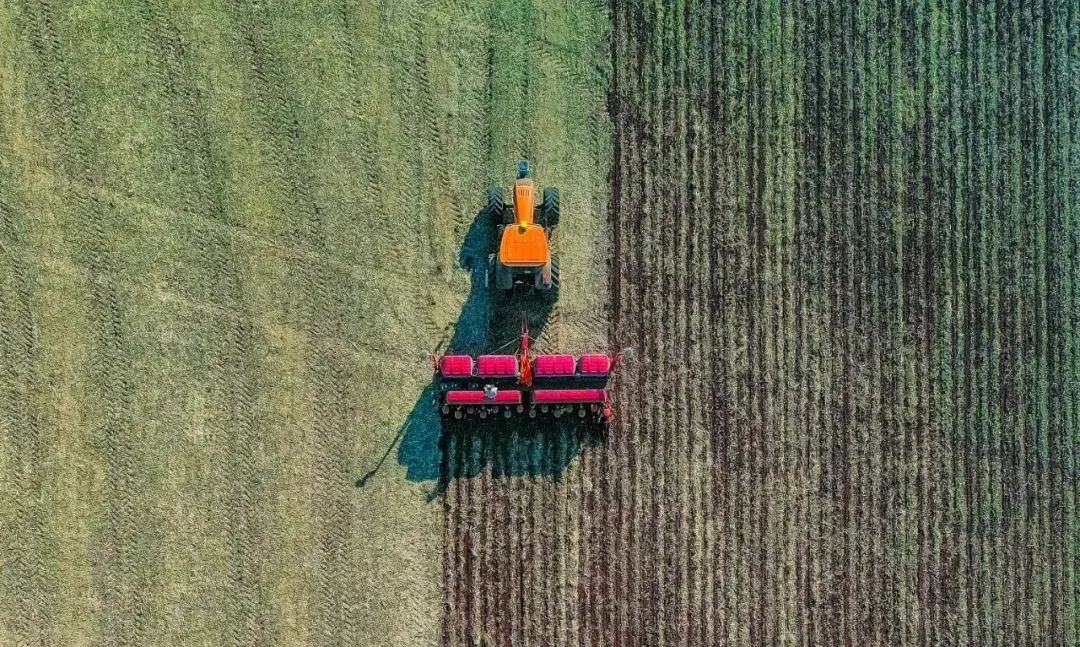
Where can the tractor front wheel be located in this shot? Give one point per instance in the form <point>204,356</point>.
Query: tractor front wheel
<point>496,206</point>
<point>549,208</point>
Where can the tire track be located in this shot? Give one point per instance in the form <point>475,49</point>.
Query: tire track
<point>125,576</point>
<point>26,442</point>
<point>434,176</point>
<point>322,313</point>
<point>235,364</point>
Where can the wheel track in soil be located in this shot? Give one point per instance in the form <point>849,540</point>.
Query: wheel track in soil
<point>123,577</point>
<point>25,440</point>
<point>372,176</point>
<point>321,314</point>
<point>438,175</point>
<point>234,375</point>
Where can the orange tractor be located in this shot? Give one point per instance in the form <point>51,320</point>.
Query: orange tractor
<point>525,382</point>
<point>524,227</point>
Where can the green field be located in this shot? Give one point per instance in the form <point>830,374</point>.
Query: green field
<point>226,234</point>
<point>843,238</point>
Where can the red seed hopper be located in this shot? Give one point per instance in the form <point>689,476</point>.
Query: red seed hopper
<point>525,383</point>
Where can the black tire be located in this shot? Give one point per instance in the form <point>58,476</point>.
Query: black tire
<point>549,208</point>
<point>551,293</point>
<point>496,206</point>
<point>504,277</point>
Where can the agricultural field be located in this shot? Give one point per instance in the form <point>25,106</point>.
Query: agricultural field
<point>842,237</point>
<point>227,231</point>
<point>848,247</point>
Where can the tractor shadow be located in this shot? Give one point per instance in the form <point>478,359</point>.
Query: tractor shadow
<point>440,450</point>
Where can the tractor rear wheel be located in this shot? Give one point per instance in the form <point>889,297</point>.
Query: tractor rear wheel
<point>496,206</point>
<point>551,292</point>
<point>504,277</point>
<point>549,208</point>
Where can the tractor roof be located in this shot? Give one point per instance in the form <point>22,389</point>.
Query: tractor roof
<point>523,246</point>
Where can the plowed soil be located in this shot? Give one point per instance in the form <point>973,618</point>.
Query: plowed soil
<point>846,249</point>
